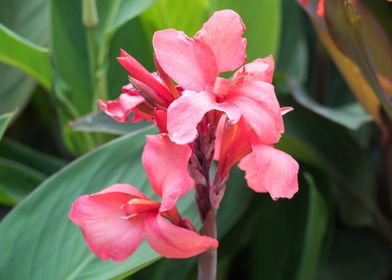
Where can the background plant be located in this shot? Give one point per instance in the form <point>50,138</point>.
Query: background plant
<point>59,57</point>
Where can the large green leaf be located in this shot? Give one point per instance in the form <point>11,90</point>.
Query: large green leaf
<point>21,153</point>
<point>283,238</point>
<point>356,254</point>
<point>187,16</point>
<point>22,54</point>
<point>262,20</point>
<point>16,87</point>
<point>44,215</point>
<point>100,122</point>
<point>4,121</point>
<point>351,115</point>
<point>316,225</point>
<point>348,166</point>
<point>83,58</point>
<point>293,56</point>
<point>17,181</point>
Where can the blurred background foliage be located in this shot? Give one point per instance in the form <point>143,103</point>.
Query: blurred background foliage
<point>58,57</point>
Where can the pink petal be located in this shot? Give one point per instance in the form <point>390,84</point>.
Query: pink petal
<point>137,71</point>
<point>107,234</point>
<point>260,69</point>
<point>320,8</point>
<point>123,188</point>
<point>172,241</point>
<point>223,34</point>
<point>271,170</point>
<point>260,109</point>
<point>190,63</point>
<point>122,107</point>
<point>166,165</point>
<point>186,112</point>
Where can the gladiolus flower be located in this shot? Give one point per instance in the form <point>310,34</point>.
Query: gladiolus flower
<point>115,220</point>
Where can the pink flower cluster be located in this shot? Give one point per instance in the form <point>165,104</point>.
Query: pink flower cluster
<point>201,117</point>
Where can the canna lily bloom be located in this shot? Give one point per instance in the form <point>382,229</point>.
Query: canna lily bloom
<point>195,63</point>
<point>266,169</point>
<point>147,95</point>
<point>115,220</point>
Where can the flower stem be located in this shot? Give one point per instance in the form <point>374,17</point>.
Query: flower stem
<point>208,260</point>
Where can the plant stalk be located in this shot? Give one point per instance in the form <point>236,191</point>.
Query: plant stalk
<point>208,260</point>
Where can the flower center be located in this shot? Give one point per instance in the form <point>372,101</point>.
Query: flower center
<point>138,206</point>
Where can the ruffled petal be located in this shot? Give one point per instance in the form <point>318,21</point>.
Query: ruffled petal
<point>166,165</point>
<point>260,109</point>
<point>107,234</point>
<point>120,108</point>
<point>190,63</point>
<point>172,241</point>
<point>260,69</point>
<point>270,170</point>
<point>223,34</point>
<point>186,112</point>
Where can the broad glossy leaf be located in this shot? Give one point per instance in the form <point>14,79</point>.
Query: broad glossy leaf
<point>187,16</point>
<point>356,254</point>
<point>16,87</point>
<point>4,121</point>
<point>21,153</point>
<point>44,215</point>
<point>22,54</point>
<point>288,235</point>
<point>17,181</point>
<point>114,14</point>
<point>262,20</point>
<point>73,86</point>
<point>293,55</point>
<point>316,226</point>
<point>100,122</point>
<point>348,166</point>
<point>351,116</point>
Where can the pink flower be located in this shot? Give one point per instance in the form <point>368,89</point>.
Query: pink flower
<point>194,63</point>
<point>266,169</point>
<point>146,93</point>
<point>115,220</point>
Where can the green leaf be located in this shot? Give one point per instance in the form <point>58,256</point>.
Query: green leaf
<point>114,14</point>
<point>16,87</point>
<point>316,225</point>
<point>4,121</point>
<point>21,153</point>
<point>348,166</point>
<point>293,53</point>
<point>351,116</point>
<point>44,216</point>
<point>17,181</point>
<point>100,122</point>
<point>187,16</point>
<point>288,235</point>
<point>262,20</point>
<point>22,54</point>
<point>356,254</point>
